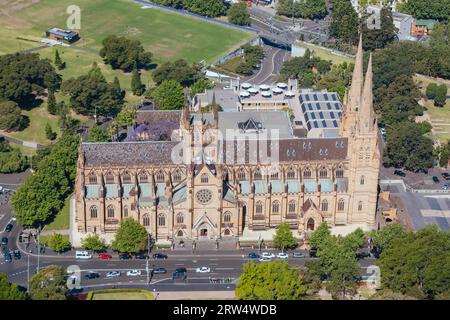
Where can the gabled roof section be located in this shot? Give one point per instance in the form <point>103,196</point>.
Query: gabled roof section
<point>250,125</point>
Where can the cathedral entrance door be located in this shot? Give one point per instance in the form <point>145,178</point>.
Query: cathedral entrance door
<point>203,232</point>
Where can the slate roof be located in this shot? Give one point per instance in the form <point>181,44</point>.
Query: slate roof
<point>155,116</point>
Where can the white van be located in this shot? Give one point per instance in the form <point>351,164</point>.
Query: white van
<point>82,255</point>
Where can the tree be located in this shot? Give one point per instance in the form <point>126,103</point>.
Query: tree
<point>12,161</point>
<point>126,116</point>
<point>390,295</point>
<point>428,9</point>
<point>58,242</point>
<point>344,278</point>
<point>441,95</point>
<point>122,53</point>
<point>52,106</point>
<point>117,89</point>
<point>200,86</point>
<point>308,9</point>
<point>209,8</point>
<point>10,291</point>
<point>168,95</point>
<point>49,284</point>
<point>269,281</point>
<point>178,70</point>
<point>58,62</point>
<point>11,118</point>
<point>376,38</point>
<point>431,91</point>
<point>385,237</point>
<point>136,84</point>
<point>319,236</point>
<point>93,242</point>
<point>49,134</point>
<point>283,238</point>
<point>312,274</point>
<point>131,237</point>
<point>98,134</point>
<point>238,14</point>
<point>344,22</point>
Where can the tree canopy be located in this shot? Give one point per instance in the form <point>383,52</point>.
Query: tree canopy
<point>93,242</point>
<point>178,70</point>
<point>98,134</point>
<point>238,14</point>
<point>131,237</point>
<point>11,118</point>
<point>308,9</point>
<point>11,160</point>
<point>376,38</point>
<point>10,291</point>
<point>209,8</point>
<point>168,95</point>
<point>49,284</point>
<point>283,238</point>
<point>344,22</point>
<point>428,9</point>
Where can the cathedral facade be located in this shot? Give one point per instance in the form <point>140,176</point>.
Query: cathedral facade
<point>200,184</point>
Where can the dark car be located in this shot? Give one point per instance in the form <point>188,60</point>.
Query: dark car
<point>436,179</point>
<point>9,227</point>
<point>399,173</point>
<point>124,256</point>
<point>362,255</point>
<point>159,256</point>
<point>313,253</point>
<point>179,275</point>
<point>159,270</point>
<point>7,257</point>
<point>4,241</point>
<point>446,176</point>
<point>253,255</point>
<point>181,270</point>
<point>17,254</point>
<point>141,256</point>
<point>92,275</point>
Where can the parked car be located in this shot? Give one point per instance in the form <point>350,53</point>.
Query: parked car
<point>17,255</point>
<point>104,256</point>
<point>179,275</point>
<point>7,257</point>
<point>4,241</point>
<point>265,259</point>
<point>313,252</point>
<point>399,173</point>
<point>133,273</point>
<point>203,270</point>
<point>160,256</point>
<point>362,255</point>
<point>424,171</point>
<point>282,255</point>
<point>253,256</point>
<point>268,255</point>
<point>141,256</point>
<point>82,255</point>
<point>159,270</point>
<point>445,186</point>
<point>9,227</point>
<point>298,255</point>
<point>113,274</point>
<point>446,175</point>
<point>124,256</point>
<point>181,270</point>
<point>436,179</point>
<point>92,275</point>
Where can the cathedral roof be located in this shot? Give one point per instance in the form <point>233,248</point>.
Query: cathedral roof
<point>156,116</point>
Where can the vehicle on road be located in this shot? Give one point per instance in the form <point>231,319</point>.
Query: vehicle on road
<point>82,255</point>
<point>179,275</point>
<point>125,256</point>
<point>160,271</point>
<point>445,186</point>
<point>203,270</point>
<point>253,256</point>
<point>298,255</point>
<point>104,256</point>
<point>265,259</point>
<point>362,255</point>
<point>141,256</point>
<point>7,257</point>
<point>399,173</point>
<point>446,175</point>
<point>133,273</point>
<point>160,256</point>
<point>268,255</point>
<point>9,227</point>
<point>436,179</point>
<point>313,252</point>
<point>4,241</point>
<point>421,170</point>
<point>181,270</point>
<point>282,255</point>
<point>92,275</point>
<point>113,274</point>
<point>17,255</point>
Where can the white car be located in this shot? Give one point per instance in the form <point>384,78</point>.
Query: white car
<point>265,259</point>
<point>113,274</point>
<point>203,270</point>
<point>282,255</point>
<point>133,273</point>
<point>268,255</point>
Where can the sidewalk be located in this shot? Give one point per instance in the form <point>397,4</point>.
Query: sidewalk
<point>195,295</point>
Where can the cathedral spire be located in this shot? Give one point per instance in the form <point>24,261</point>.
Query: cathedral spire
<point>354,97</point>
<point>366,116</point>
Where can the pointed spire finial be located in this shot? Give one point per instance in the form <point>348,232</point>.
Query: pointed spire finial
<point>354,97</point>
<point>366,112</point>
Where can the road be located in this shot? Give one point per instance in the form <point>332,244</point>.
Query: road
<point>270,66</point>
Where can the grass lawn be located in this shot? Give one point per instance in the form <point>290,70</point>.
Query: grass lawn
<point>127,295</point>
<point>326,54</point>
<point>61,221</point>
<point>43,240</point>
<point>231,64</point>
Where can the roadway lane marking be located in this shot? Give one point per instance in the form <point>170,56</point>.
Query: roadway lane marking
<point>225,268</point>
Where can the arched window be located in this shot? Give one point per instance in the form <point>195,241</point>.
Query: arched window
<point>160,176</point>
<point>323,173</point>
<point>360,206</point>
<point>180,233</point>
<point>143,177</point>
<point>291,206</point>
<point>146,220</point>
<point>310,224</point>
<point>125,211</point>
<point>93,212</point>
<point>241,174</point>
<point>177,176</point>
<point>227,217</point>
<point>180,218</point>
<point>161,220</point>
<point>361,181</point>
<point>259,207</point>
<point>339,173</point>
<point>324,206</point>
<point>341,205</point>
<point>110,211</point>
<point>276,207</point>
<point>204,178</point>
<point>92,178</point>
<point>274,176</point>
<point>290,174</point>
<point>307,173</point>
<point>109,178</point>
<point>126,178</point>
<point>257,175</point>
